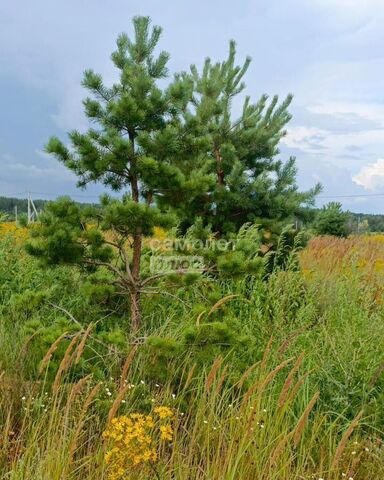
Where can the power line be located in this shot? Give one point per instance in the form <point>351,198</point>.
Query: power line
<point>353,196</point>
<point>18,193</point>
<point>77,195</point>
<point>46,194</point>
<point>320,196</point>
<point>68,194</point>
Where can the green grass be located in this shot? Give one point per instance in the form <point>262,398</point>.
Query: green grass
<point>229,424</point>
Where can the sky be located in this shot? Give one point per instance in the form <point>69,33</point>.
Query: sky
<point>328,53</point>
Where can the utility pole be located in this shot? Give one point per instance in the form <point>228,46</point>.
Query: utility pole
<point>16,213</point>
<point>32,212</point>
<point>29,208</point>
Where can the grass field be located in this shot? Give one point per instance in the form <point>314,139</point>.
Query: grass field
<point>247,379</point>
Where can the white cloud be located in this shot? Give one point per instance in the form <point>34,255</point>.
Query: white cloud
<point>359,4</point>
<point>371,177</point>
<point>373,112</point>
<point>349,9</point>
<point>308,139</point>
<point>327,52</point>
<point>337,182</point>
<point>348,134</point>
<point>29,172</point>
<point>338,144</point>
<point>47,170</point>
<point>70,114</point>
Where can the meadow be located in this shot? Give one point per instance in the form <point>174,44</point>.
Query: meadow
<point>248,378</point>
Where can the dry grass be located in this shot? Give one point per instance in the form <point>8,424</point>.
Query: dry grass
<point>329,255</point>
<point>268,424</point>
<point>222,434</point>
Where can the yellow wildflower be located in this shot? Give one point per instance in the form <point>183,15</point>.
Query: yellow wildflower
<point>166,432</point>
<point>134,441</point>
<point>164,412</point>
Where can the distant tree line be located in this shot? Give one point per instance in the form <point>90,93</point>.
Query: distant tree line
<point>8,204</point>
<point>332,220</point>
<point>359,220</point>
<point>354,222</point>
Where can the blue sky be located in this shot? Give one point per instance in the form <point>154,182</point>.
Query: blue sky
<point>328,53</point>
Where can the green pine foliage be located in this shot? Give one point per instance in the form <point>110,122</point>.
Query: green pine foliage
<point>254,356</point>
<point>248,182</point>
<point>177,149</point>
<point>331,220</point>
<point>97,240</point>
<point>132,146</point>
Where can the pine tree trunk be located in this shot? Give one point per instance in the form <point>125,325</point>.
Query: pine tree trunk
<point>137,243</point>
<point>135,191</point>
<point>219,168</point>
<point>136,247</point>
<point>136,263</point>
<point>135,311</point>
<point>221,183</point>
<point>133,178</point>
<point>135,293</point>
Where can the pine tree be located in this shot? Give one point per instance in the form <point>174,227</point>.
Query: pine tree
<point>249,183</point>
<point>132,147</point>
<point>331,220</point>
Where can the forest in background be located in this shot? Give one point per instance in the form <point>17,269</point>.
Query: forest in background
<point>357,222</point>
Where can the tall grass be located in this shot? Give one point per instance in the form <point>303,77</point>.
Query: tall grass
<point>270,430</point>
<point>303,399</point>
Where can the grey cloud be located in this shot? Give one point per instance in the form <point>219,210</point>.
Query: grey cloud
<point>327,52</point>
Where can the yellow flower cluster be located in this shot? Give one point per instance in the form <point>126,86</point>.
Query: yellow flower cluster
<point>135,440</point>
<point>166,432</point>
<point>307,273</point>
<point>379,265</point>
<point>378,237</point>
<point>159,233</point>
<point>11,229</point>
<point>164,412</point>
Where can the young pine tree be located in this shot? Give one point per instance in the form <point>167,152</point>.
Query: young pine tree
<point>240,152</point>
<point>331,220</point>
<point>132,147</point>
